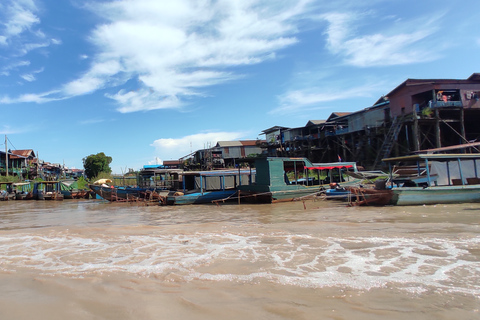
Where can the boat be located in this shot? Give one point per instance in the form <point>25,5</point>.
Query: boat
<point>47,190</point>
<point>209,186</point>
<point>23,191</point>
<point>6,191</point>
<point>118,193</point>
<point>439,179</point>
<point>285,179</point>
<point>69,189</point>
<point>126,193</point>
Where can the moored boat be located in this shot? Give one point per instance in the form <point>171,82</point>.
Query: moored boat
<point>440,179</point>
<point>285,179</point>
<point>6,191</point>
<point>209,186</point>
<point>47,190</point>
<point>23,191</point>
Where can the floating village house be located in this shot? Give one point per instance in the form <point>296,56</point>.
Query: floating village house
<point>20,162</point>
<point>224,154</point>
<point>418,114</point>
<point>24,163</point>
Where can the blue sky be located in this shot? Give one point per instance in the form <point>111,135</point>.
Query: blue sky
<point>151,80</point>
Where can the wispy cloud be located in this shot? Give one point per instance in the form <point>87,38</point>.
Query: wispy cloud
<point>19,31</point>
<point>28,77</point>
<point>7,129</point>
<point>174,148</point>
<point>31,76</point>
<point>315,98</point>
<point>30,97</point>
<point>19,17</point>
<point>178,49</point>
<point>398,44</point>
<point>12,66</point>
<point>91,121</point>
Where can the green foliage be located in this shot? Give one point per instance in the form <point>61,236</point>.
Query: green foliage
<point>82,183</point>
<point>102,175</point>
<point>94,164</point>
<point>427,112</point>
<point>9,179</point>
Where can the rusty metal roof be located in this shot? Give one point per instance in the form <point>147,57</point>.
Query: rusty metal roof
<point>19,154</point>
<point>251,142</point>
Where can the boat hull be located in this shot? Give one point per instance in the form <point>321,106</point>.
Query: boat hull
<point>199,198</point>
<point>436,195</point>
<point>257,194</point>
<point>408,196</point>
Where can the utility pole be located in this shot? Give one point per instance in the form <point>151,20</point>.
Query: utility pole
<point>6,156</point>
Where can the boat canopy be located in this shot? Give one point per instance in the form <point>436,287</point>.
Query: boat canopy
<point>331,165</point>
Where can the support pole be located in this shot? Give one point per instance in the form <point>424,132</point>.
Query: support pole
<point>6,157</point>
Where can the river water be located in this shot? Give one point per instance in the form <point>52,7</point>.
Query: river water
<point>91,259</point>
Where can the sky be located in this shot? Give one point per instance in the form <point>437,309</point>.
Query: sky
<point>150,80</point>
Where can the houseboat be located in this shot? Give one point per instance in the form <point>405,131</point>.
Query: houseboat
<point>436,179</point>
<point>209,186</point>
<point>285,179</point>
<point>6,191</point>
<point>47,190</point>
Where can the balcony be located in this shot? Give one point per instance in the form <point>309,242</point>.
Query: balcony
<point>445,104</point>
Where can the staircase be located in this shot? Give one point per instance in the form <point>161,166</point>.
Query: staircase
<point>390,139</point>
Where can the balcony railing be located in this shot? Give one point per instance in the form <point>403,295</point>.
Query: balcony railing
<point>443,104</point>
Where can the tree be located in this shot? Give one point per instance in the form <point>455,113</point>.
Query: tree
<point>96,163</point>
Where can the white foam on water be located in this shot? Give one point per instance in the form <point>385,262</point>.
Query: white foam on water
<point>414,264</point>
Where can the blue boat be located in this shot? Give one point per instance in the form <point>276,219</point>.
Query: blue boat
<point>115,193</point>
<point>209,186</point>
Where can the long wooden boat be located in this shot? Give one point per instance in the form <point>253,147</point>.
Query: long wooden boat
<point>23,191</point>
<point>47,190</point>
<point>6,191</point>
<point>440,179</point>
<point>209,186</point>
<point>286,179</point>
<point>126,194</point>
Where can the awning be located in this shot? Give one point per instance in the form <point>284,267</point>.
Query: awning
<point>330,167</point>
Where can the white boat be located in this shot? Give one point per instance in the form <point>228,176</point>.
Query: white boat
<point>440,179</point>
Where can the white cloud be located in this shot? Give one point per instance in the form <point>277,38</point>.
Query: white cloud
<point>56,41</point>
<point>156,161</point>
<point>28,77</point>
<point>315,98</point>
<point>178,48</point>
<point>91,121</point>
<point>175,148</point>
<point>30,97</point>
<point>21,17</point>
<point>13,66</point>
<point>20,27</point>
<point>399,44</point>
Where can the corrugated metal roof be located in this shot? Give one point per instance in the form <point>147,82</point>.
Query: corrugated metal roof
<point>315,122</point>
<point>251,142</point>
<point>17,154</point>
<point>227,144</point>
<point>171,162</point>
<point>475,77</point>
<point>241,143</point>
<point>274,129</point>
